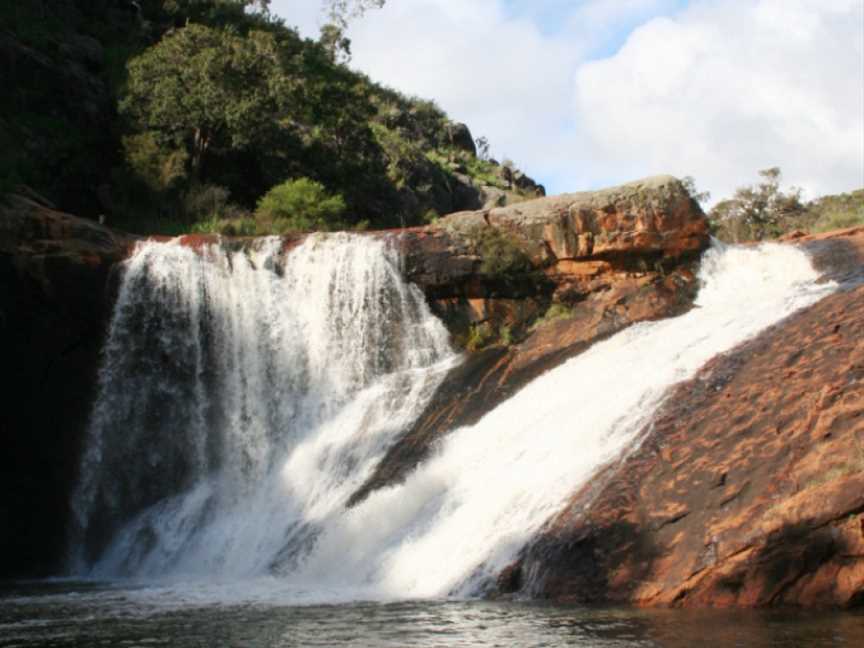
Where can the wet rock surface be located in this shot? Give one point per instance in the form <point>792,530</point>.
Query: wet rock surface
<point>57,293</point>
<point>606,259</point>
<point>748,489</point>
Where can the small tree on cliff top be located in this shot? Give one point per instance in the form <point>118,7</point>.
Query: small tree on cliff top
<point>760,208</point>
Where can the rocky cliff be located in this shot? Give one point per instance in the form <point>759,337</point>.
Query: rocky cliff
<point>591,263</point>
<point>55,298</point>
<point>748,489</point>
<point>586,266</point>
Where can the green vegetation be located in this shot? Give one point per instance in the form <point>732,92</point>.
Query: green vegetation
<point>486,334</point>
<point>554,313</point>
<point>503,258</point>
<point>764,211</point>
<point>479,336</point>
<point>300,205</point>
<point>836,212</point>
<point>181,115</point>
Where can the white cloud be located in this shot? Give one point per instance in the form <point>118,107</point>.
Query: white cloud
<point>717,90</point>
<point>726,88</point>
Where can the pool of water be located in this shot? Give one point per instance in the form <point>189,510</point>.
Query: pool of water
<point>64,613</point>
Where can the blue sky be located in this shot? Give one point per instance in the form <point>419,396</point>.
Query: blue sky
<point>596,92</point>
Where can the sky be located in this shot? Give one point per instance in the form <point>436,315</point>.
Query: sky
<point>592,93</point>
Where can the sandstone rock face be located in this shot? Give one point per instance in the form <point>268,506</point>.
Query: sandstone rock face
<point>56,297</point>
<point>749,488</point>
<point>55,273</point>
<point>607,259</point>
<point>578,245</point>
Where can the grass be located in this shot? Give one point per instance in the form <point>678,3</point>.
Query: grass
<point>485,334</point>
<point>554,313</point>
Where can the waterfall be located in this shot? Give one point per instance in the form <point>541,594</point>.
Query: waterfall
<point>244,395</point>
<point>219,364</point>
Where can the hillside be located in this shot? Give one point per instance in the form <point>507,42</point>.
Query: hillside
<point>168,116</point>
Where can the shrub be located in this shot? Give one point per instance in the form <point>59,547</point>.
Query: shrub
<point>479,336</point>
<point>501,255</point>
<point>505,335</point>
<point>758,211</point>
<point>244,226</point>
<point>839,220</point>
<point>299,205</point>
<point>203,202</point>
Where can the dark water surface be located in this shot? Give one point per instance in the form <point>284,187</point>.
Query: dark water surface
<point>88,614</point>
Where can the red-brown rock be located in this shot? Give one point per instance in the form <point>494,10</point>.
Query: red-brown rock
<point>749,488</point>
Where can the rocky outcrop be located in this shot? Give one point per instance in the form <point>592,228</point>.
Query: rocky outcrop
<point>595,262</point>
<point>602,259</point>
<point>55,273</point>
<point>459,137</point>
<point>748,489</point>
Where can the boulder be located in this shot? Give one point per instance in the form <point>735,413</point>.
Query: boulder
<point>459,137</point>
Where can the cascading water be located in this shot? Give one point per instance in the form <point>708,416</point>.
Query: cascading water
<point>221,364</point>
<point>241,408</point>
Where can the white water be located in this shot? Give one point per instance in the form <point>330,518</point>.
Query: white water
<point>217,368</point>
<point>459,517</point>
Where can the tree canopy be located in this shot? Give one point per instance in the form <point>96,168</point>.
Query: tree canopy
<point>759,210</point>
<point>206,89</point>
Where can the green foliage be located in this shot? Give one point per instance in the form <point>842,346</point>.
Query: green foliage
<point>555,312</point>
<point>176,95</point>
<point>479,336</point>
<point>690,186</point>
<point>501,255</point>
<point>505,335</point>
<point>757,211</point>
<point>341,11</point>
<point>160,168</point>
<point>482,144</point>
<point>839,220</point>
<point>403,156</point>
<point>204,89</point>
<point>764,211</point>
<point>244,226</point>
<point>837,212</point>
<point>335,43</point>
<point>206,202</point>
<point>485,334</point>
<point>300,205</point>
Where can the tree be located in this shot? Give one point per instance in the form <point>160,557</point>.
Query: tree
<point>482,144</point>
<point>335,43</point>
<point>690,186</point>
<point>202,89</point>
<point>760,208</point>
<point>341,11</point>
